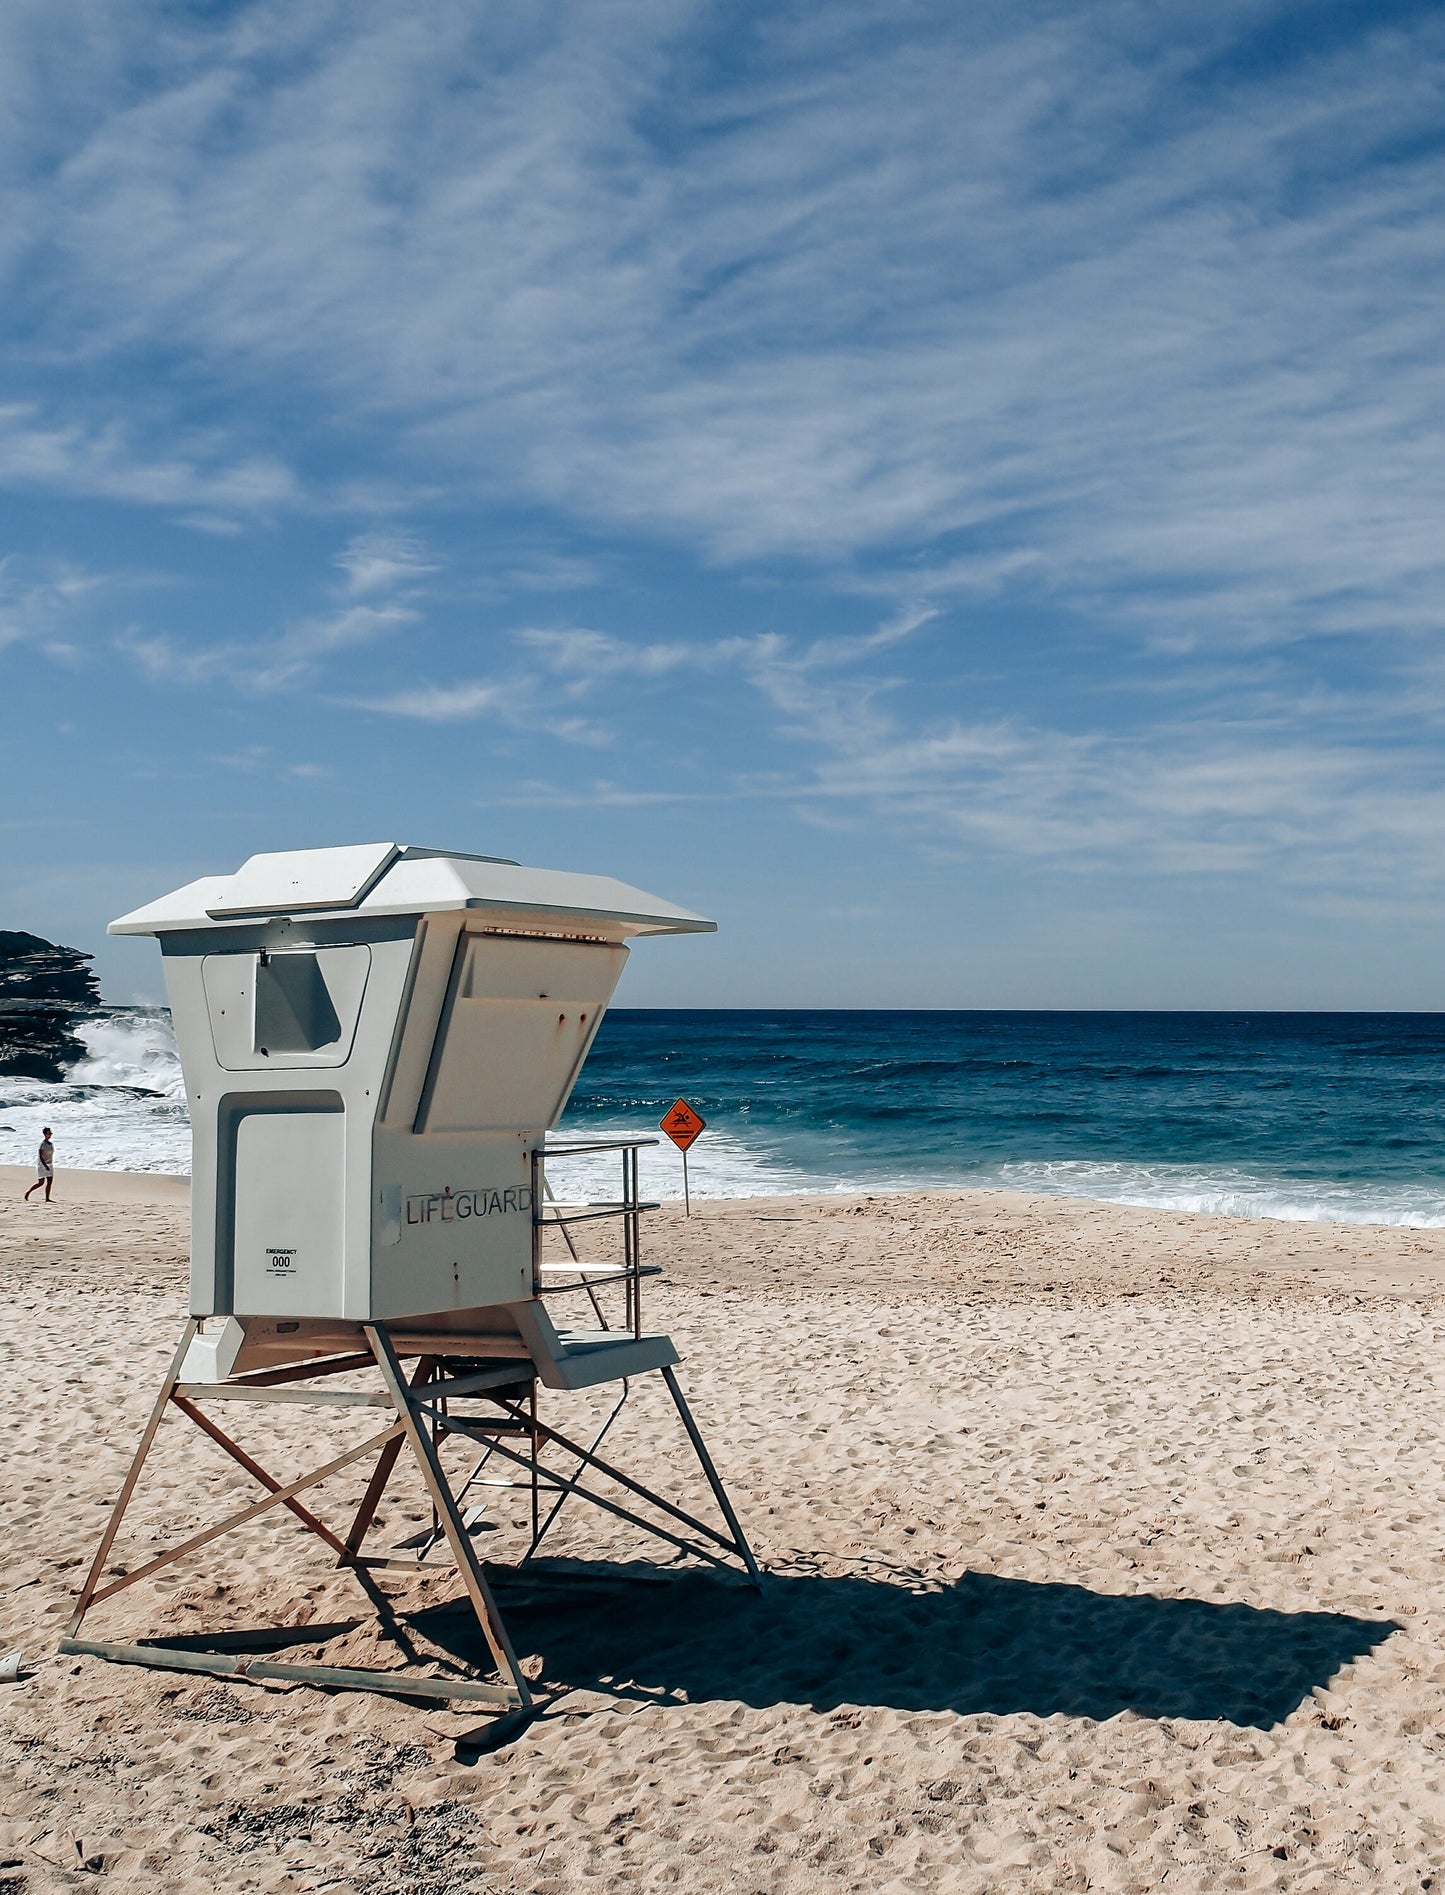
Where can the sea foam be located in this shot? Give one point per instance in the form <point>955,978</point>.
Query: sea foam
<point>122,1107</point>
<point>1231,1192</point>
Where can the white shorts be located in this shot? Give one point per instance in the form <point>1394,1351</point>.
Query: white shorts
<point>44,1172</point>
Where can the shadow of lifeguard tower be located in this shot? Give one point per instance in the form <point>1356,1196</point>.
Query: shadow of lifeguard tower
<point>376,1041</point>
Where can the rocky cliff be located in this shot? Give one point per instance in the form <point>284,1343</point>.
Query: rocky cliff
<point>45,990</point>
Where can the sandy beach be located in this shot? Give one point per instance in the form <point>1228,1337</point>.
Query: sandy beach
<point>1105,1552</point>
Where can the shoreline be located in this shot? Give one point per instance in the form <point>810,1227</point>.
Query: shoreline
<point>897,1243</point>
<point>82,1185</point>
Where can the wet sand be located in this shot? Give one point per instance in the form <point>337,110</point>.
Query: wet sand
<point>100,1187</point>
<point>1105,1550</point>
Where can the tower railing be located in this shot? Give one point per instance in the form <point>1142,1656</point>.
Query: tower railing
<point>548,1213</point>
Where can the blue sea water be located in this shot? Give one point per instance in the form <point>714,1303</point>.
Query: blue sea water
<point>1335,1116</point>
<point>1329,1116</point>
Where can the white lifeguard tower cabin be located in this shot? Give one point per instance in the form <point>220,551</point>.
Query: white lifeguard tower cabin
<point>376,1041</point>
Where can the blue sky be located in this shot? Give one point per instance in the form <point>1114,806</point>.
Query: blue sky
<point>953,492</point>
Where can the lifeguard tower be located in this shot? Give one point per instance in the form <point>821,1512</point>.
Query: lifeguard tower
<point>376,1042</point>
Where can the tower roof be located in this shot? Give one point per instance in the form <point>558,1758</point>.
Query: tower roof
<point>389,878</point>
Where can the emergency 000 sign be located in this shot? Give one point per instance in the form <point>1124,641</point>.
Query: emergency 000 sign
<point>682,1124</point>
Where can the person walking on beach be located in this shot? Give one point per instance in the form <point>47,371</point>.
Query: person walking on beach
<point>44,1166</point>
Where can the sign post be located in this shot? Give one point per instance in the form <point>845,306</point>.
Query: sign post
<point>682,1126</point>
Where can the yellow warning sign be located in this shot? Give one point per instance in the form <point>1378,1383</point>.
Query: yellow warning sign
<point>682,1124</point>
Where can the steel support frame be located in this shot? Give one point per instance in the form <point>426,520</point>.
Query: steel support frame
<point>406,1427</point>
<point>485,1432</point>
<point>418,1416</point>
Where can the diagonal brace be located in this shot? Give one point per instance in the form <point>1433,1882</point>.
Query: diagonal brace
<point>380,1475</point>
<point>589,1459</point>
<point>256,1471</point>
<point>247,1514</point>
<point>561,1483</point>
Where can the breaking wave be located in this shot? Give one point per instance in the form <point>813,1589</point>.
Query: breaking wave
<point>1233,1193</point>
<point>120,1108</point>
<point>812,1104</point>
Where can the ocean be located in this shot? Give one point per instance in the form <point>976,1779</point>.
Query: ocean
<point>1309,1116</point>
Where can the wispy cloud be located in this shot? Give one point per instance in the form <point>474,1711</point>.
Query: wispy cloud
<point>310,639</point>
<point>1086,288</point>
<point>575,662</point>
<point>516,703</point>
<point>582,657</point>
<point>209,482</point>
<point>552,572</point>
<point>445,703</point>
<point>600,793</point>
<point>1184,797</point>
<point>258,757</point>
<point>375,599</point>
<point>382,562</point>
<point>45,604</point>
<point>1307,795</point>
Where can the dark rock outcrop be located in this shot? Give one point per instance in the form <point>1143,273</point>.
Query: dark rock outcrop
<point>44,991</point>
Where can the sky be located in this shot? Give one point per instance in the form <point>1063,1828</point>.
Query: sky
<point>953,492</point>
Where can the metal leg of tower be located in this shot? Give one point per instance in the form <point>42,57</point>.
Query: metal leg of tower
<point>719,1492</point>
<point>415,1419</point>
